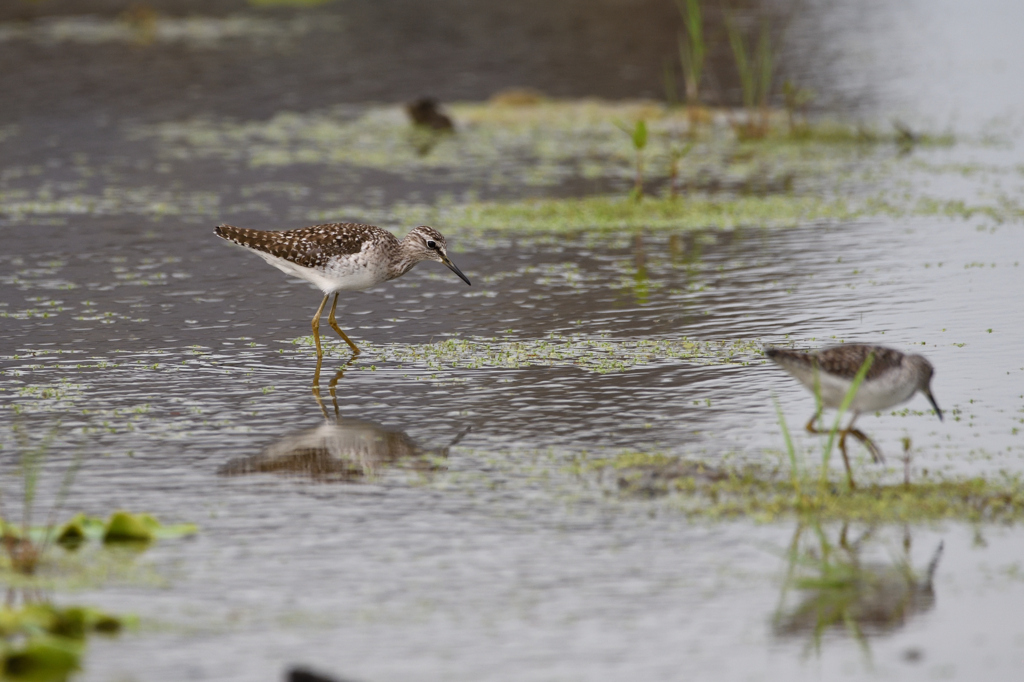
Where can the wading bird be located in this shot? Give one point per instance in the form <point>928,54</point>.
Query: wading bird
<point>340,257</point>
<point>892,378</point>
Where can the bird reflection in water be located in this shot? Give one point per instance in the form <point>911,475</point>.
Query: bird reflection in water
<point>342,449</point>
<point>841,594</point>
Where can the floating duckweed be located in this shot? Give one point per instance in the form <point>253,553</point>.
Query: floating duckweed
<point>612,213</point>
<point>831,172</point>
<point>543,144</point>
<point>619,212</point>
<point>595,355</point>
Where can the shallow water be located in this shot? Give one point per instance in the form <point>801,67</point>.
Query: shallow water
<point>171,360</point>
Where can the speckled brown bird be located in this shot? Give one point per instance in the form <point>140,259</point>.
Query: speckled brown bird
<point>892,378</point>
<point>338,257</point>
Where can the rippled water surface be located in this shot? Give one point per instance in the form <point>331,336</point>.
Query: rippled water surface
<point>440,528</point>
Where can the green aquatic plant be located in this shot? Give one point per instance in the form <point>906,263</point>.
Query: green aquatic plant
<point>791,454</point>
<point>45,643</point>
<point>121,527</point>
<point>638,136</point>
<point>23,550</point>
<point>756,75</point>
<point>26,544</point>
<point>676,153</point>
<point>692,48</point>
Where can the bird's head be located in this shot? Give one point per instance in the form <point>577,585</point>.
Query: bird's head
<point>426,243</point>
<point>924,372</point>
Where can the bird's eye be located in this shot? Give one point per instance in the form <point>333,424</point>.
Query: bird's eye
<point>431,244</point>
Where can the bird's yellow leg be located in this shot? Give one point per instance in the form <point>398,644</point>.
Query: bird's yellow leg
<point>846,459</point>
<point>316,338</point>
<point>876,454</point>
<point>334,323</point>
<point>811,427</point>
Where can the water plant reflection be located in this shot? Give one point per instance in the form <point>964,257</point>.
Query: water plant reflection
<point>641,280</point>
<point>842,593</point>
<point>43,642</point>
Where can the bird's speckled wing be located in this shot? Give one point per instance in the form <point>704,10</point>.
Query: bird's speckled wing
<point>841,361</point>
<point>310,247</point>
<point>846,360</point>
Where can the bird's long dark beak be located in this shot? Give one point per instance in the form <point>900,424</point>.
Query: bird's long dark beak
<point>454,268</point>
<point>928,394</point>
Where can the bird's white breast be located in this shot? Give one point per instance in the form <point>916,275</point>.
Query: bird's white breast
<point>882,392</point>
<point>353,272</point>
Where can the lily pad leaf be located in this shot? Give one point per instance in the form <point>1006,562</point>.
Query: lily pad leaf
<point>127,527</point>
<point>42,659</point>
<point>79,529</point>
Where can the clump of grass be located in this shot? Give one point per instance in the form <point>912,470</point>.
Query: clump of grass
<point>765,494</point>
<point>692,48</point>
<point>25,544</point>
<point>756,73</point>
<point>23,550</point>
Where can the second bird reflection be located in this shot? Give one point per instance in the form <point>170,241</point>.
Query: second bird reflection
<point>842,593</point>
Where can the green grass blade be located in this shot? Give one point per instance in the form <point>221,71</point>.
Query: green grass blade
<point>743,65</point>
<point>765,66</point>
<point>845,405</point>
<point>794,465</point>
<point>692,48</point>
